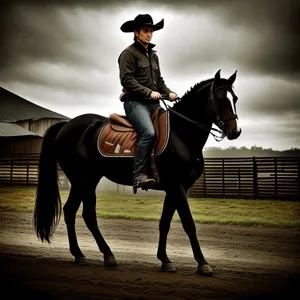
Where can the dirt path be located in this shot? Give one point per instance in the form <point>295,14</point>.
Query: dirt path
<point>249,263</point>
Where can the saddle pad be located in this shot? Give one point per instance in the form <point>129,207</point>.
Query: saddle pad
<point>118,141</point>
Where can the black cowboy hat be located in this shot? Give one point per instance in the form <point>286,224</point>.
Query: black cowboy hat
<point>141,21</point>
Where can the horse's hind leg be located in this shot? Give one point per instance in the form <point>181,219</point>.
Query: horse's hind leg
<point>90,218</point>
<point>70,210</point>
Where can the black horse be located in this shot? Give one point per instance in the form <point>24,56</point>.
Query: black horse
<point>72,144</point>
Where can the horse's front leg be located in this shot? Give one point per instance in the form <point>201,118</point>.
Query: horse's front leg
<point>189,227</point>
<point>164,228</point>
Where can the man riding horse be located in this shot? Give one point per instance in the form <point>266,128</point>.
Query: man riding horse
<point>143,85</point>
<point>74,145</point>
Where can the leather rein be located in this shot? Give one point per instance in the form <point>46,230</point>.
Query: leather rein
<point>220,120</point>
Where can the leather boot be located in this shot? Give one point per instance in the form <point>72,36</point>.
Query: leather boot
<point>140,167</point>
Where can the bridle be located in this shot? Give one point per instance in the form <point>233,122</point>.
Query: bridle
<point>220,121</point>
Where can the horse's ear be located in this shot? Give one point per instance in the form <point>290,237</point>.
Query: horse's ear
<point>232,78</point>
<point>218,75</point>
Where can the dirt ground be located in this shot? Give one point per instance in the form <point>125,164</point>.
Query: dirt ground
<point>249,262</point>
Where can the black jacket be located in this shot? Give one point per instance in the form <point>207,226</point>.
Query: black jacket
<point>139,72</point>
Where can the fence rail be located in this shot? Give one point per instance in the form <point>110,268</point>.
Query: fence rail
<point>23,171</point>
<point>19,171</point>
<point>250,177</point>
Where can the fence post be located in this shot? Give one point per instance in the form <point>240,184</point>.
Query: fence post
<point>11,171</point>
<point>27,172</point>
<point>239,179</point>
<point>298,178</point>
<point>276,179</point>
<point>223,175</point>
<point>204,179</point>
<point>255,179</point>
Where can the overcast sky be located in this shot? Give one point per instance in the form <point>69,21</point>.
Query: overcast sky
<point>64,57</point>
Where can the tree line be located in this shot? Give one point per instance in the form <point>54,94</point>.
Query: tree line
<point>249,152</point>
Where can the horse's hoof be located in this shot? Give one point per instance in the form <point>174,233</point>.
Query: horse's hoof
<point>110,261</point>
<point>81,261</point>
<point>168,267</point>
<point>205,270</point>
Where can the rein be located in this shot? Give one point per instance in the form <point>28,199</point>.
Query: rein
<point>200,125</point>
<point>221,121</point>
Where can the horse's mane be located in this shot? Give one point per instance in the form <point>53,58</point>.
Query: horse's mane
<point>190,94</point>
<point>193,90</point>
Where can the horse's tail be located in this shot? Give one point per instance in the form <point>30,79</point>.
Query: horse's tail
<point>47,210</point>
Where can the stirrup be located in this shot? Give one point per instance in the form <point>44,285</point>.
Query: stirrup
<point>144,185</point>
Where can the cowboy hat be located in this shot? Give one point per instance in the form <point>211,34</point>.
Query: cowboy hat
<point>141,21</point>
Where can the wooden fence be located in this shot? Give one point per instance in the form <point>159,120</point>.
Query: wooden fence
<point>250,177</point>
<point>23,171</point>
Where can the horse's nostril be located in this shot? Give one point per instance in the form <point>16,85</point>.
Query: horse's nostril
<point>234,134</point>
<point>237,133</point>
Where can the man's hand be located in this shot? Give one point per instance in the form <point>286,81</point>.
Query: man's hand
<point>172,97</point>
<point>155,95</point>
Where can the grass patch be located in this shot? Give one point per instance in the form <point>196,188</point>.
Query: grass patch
<point>277,213</point>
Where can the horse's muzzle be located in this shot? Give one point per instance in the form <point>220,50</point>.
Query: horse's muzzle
<point>234,134</point>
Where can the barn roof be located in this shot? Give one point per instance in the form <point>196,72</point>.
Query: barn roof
<point>15,108</point>
<point>11,129</point>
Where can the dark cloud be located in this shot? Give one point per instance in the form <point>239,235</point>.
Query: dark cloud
<point>270,42</point>
<point>272,33</point>
<point>39,33</point>
<point>44,46</point>
<point>281,15</point>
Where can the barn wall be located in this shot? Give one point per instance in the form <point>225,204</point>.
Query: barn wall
<point>15,146</point>
<point>19,146</point>
<point>38,126</point>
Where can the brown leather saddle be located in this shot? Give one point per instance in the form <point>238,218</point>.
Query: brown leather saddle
<point>118,138</point>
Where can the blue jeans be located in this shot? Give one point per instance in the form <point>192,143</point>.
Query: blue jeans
<point>139,114</point>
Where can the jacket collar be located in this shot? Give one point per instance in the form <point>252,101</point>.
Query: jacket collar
<point>142,48</point>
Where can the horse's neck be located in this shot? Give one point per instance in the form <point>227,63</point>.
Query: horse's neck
<point>195,132</point>
<point>198,115</point>
<point>194,104</point>
<point>195,107</point>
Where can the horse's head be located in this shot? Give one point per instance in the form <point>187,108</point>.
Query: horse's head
<point>221,110</point>
<point>207,103</point>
